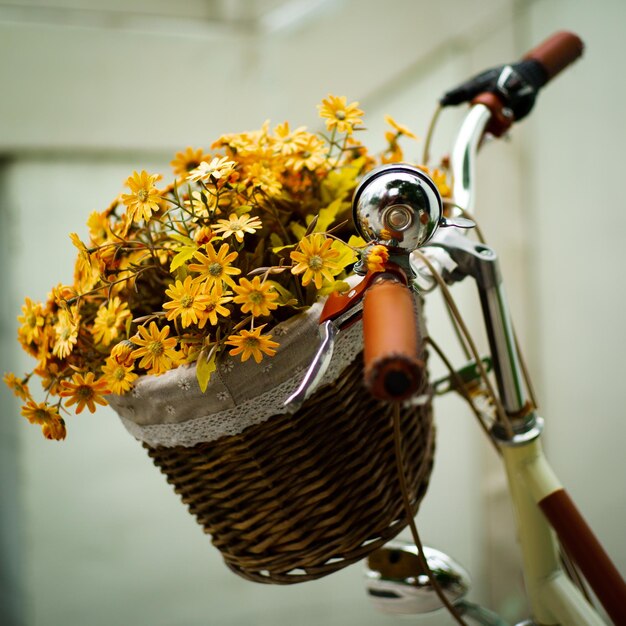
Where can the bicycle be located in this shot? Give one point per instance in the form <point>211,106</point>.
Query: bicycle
<point>398,206</point>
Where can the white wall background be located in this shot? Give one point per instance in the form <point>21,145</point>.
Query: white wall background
<point>91,533</point>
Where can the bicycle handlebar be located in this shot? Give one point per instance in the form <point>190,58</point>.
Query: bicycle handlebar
<point>509,91</point>
<point>556,53</point>
<point>393,367</point>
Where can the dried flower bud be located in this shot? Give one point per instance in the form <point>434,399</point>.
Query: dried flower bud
<point>122,351</point>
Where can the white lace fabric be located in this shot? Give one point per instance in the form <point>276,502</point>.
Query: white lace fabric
<point>171,410</point>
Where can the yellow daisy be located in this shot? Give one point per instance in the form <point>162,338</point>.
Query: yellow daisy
<point>99,228</point>
<point>439,178</point>
<point>144,198</point>
<point>252,344</point>
<point>340,115</point>
<point>109,321</point>
<point>39,412</point>
<point>46,416</point>
<point>238,225</point>
<point>311,155</point>
<point>255,297</point>
<point>216,298</point>
<point>18,386</point>
<point>66,330</point>
<point>399,128</point>
<point>315,260</point>
<point>288,142</point>
<point>264,178</point>
<point>118,376</point>
<point>32,321</point>
<point>156,349</point>
<point>187,161</point>
<point>186,300</point>
<point>215,267</point>
<point>84,391</point>
<point>219,167</point>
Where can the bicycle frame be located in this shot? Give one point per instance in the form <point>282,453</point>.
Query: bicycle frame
<point>540,503</point>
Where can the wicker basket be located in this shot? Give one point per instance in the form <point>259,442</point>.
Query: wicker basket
<point>297,497</point>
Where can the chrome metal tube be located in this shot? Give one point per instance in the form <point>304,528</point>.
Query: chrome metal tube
<point>463,155</point>
<point>503,350</point>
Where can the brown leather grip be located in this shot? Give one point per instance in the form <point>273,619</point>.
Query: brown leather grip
<point>557,52</point>
<point>393,368</point>
<point>580,542</point>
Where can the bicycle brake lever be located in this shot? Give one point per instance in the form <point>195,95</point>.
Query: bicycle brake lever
<point>328,331</point>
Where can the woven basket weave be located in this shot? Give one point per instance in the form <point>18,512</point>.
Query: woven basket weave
<point>298,497</point>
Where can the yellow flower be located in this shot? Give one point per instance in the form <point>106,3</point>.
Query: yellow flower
<point>54,429</point>
<point>238,225</point>
<point>32,321</point>
<point>144,198</point>
<point>214,267</point>
<point>219,167</point>
<point>340,115</point>
<point>310,156</point>
<point>17,386</point>
<point>118,376</point>
<point>122,352</point>
<point>399,128</point>
<point>66,330</point>
<point>255,297</point>
<point>46,416</point>
<point>185,301</point>
<point>252,344</point>
<point>376,258</point>
<point>99,228</point>
<point>84,391</point>
<point>157,351</point>
<point>203,235</point>
<point>109,321</point>
<point>439,178</point>
<point>190,159</point>
<point>215,299</point>
<point>315,259</point>
<point>288,142</point>
<point>264,178</point>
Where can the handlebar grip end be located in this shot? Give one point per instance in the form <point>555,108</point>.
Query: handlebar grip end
<point>393,367</point>
<point>557,52</point>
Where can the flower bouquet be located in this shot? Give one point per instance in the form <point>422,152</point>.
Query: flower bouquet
<point>194,312</point>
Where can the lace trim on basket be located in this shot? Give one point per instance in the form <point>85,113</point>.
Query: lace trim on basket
<point>234,420</point>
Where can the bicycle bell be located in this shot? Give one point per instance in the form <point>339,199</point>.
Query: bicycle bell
<point>398,206</point>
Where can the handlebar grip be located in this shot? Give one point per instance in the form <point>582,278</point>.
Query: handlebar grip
<point>393,367</point>
<point>557,52</point>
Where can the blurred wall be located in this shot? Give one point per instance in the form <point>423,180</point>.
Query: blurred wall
<point>91,533</point>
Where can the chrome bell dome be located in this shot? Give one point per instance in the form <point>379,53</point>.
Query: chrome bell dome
<point>398,206</point>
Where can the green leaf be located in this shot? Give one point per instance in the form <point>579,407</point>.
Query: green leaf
<point>356,242</point>
<point>337,285</point>
<point>347,256</point>
<point>279,248</point>
<point>298,230</point>
<point>285,297</point>
<point>340,183</point>
<point>181,238</point>
<point>205,366</point>
<point>276,241</point>
<point>327,215</point>
<point>186,253</point>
